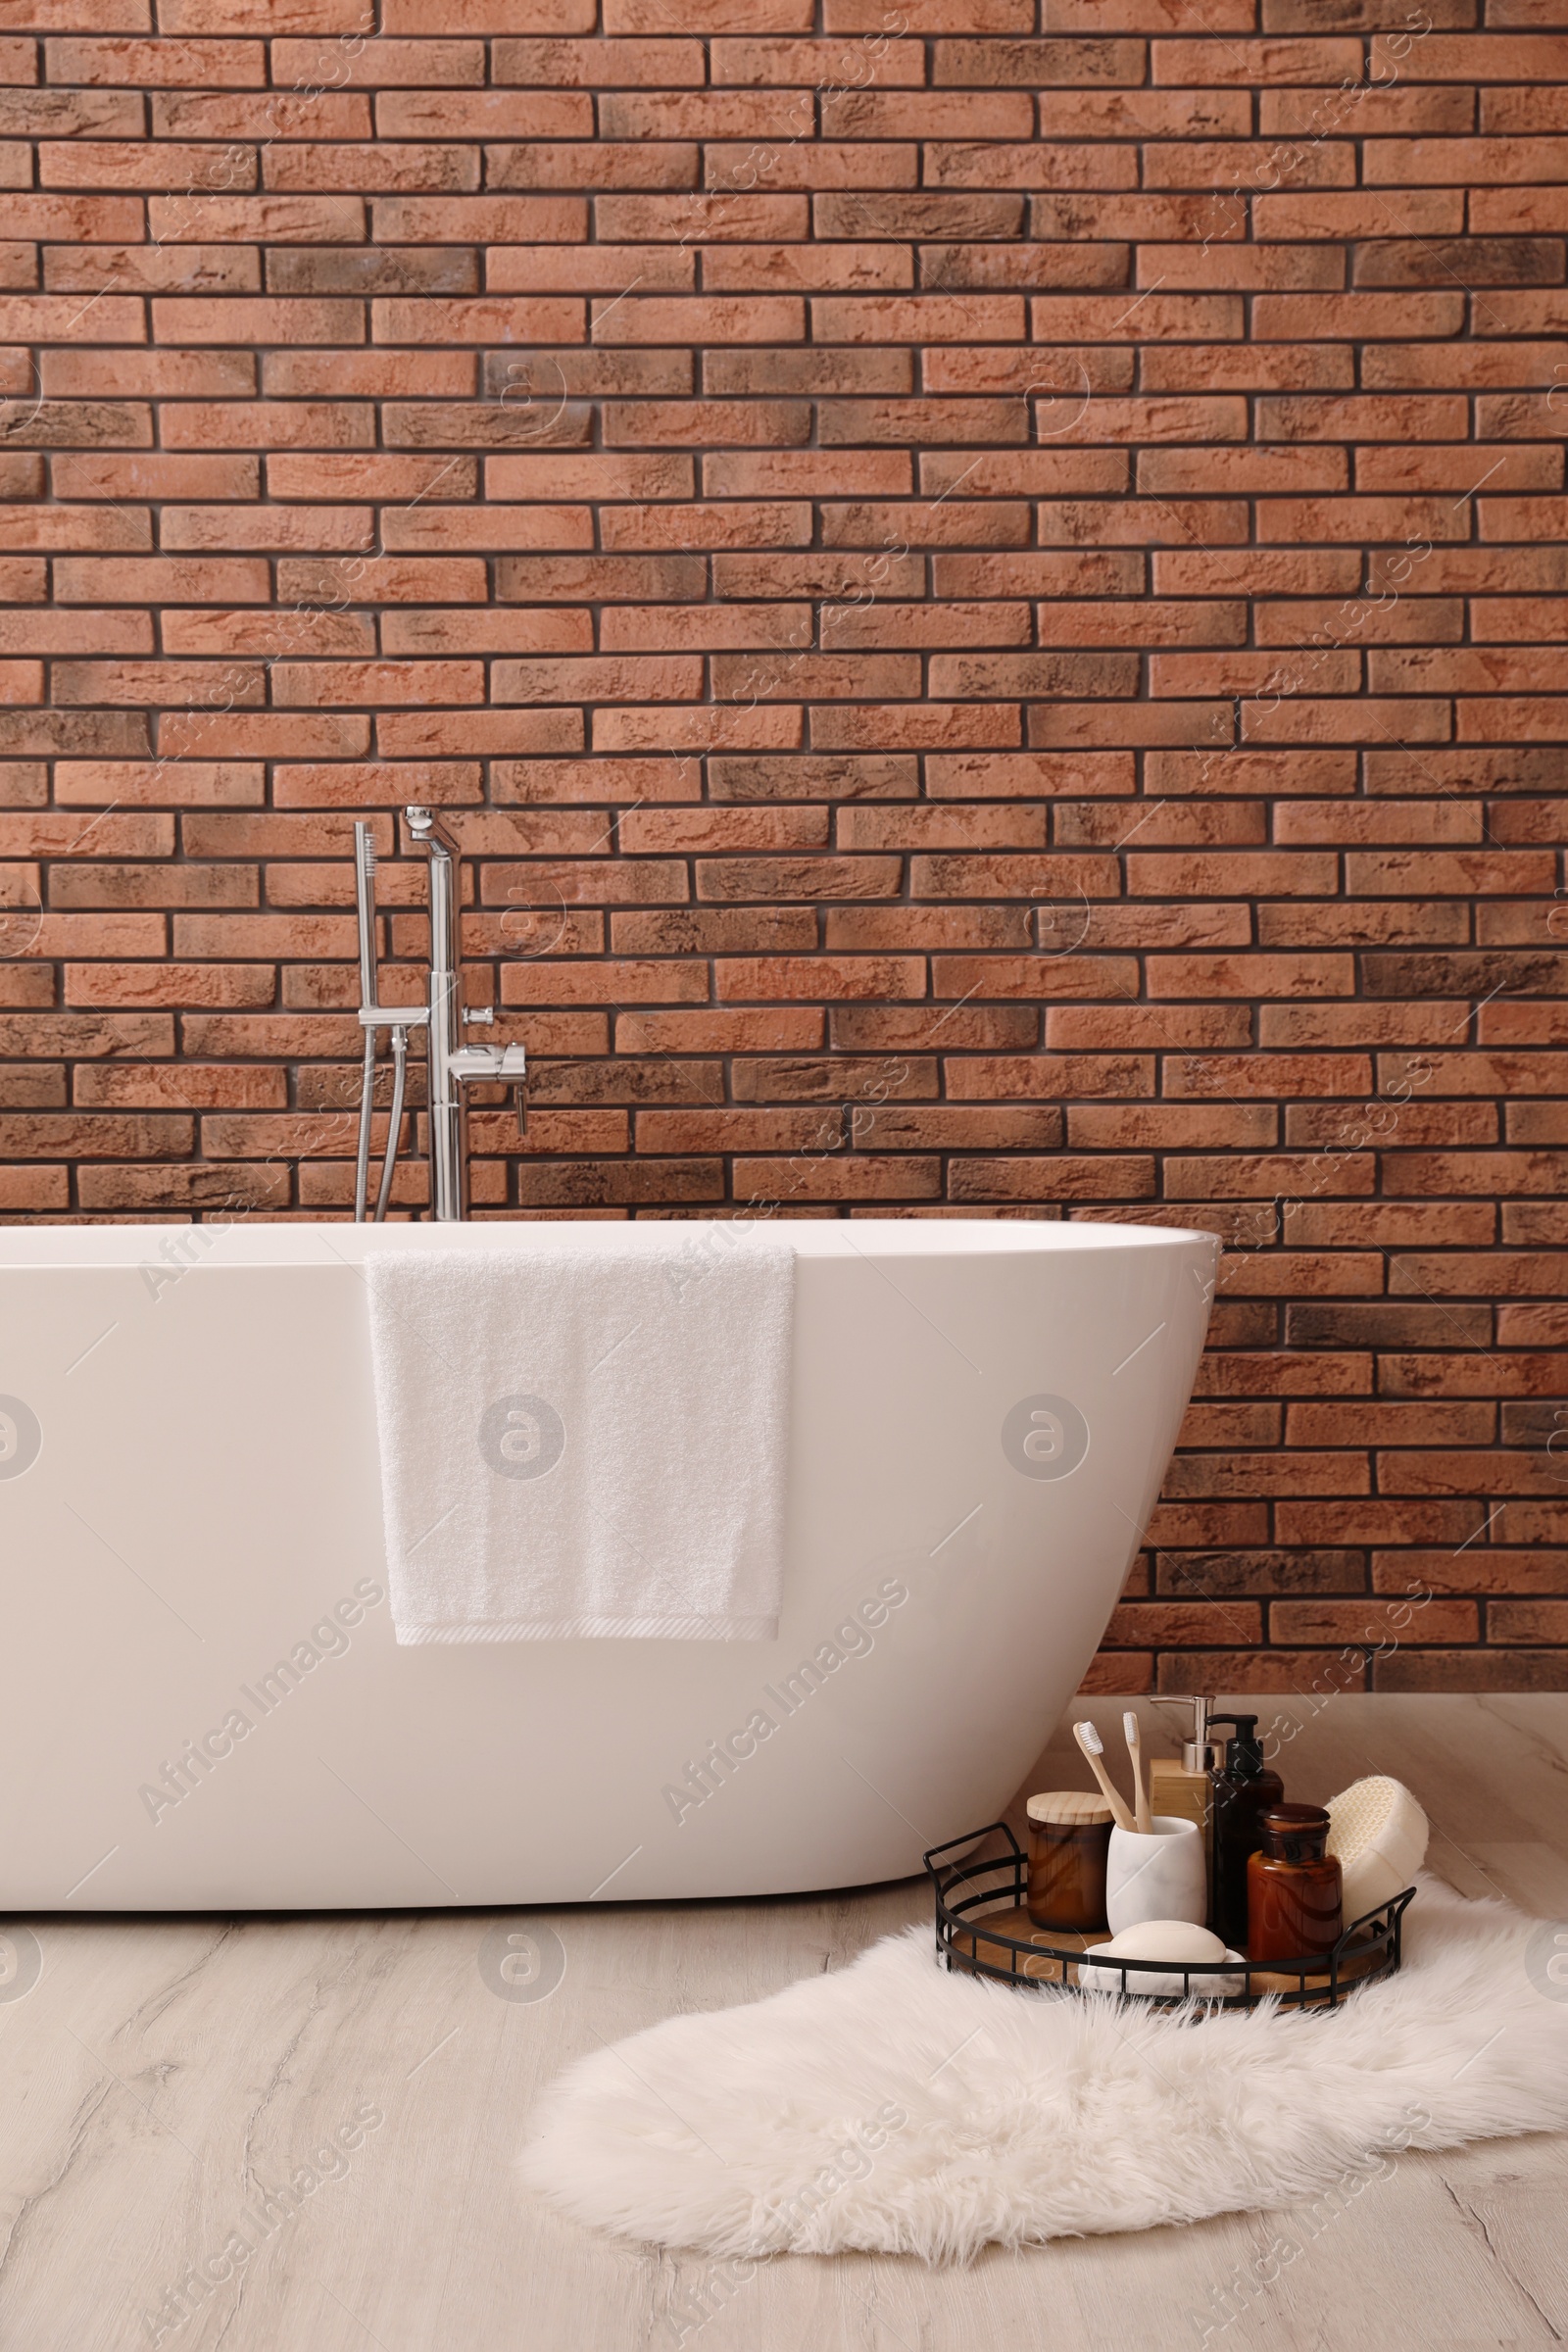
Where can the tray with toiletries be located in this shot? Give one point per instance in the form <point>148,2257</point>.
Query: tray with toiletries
<point>984,1928</point>
<point>1207,1886</point>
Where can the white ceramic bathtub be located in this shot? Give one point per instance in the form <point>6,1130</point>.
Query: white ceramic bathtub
<point>189,1493</point>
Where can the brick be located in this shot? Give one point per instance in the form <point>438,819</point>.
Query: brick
<point>1200,164</point>
<point>1376,1521</point>
<point>1376,1622</point>
<point>1417,364</point>
<point>1039,473</point>
<point>1221,1574</point>
<point>268,425</point>
<point>407,529</point>
<point>87,219</point>
<point>812,778</point>
<point>405,166</point>
<point>261,320</point>
<point>1363,213</point>
<point>205,64</point>
<point>263,115</point>
<point>168,984</point>
<point>1250,63</point>
<point>61,319</point>
<point>157,478</point>
<point>1502,1274</point>
<point>568,165</point>
<point>1399,162</point>
<point>719,1031</point>
<point>1518,211</point>
<point>1033,976</point>
<point>1467,261</point>
<point>1521,109</point>
<point>1172,1626</point>
<point>1140,522</point>
<point>140,269</point>
<point>51,733</point>
<point>1036,64</point>
<point>1481,1569</point>
<point>934,15</point>
<point>77,632</point>
<point>1051,1074</point>
<point>871,525</point>
<point>156,682</point>
<point>163,783</point>
<point>480,114</point>
<point>1100,1176</point>
<point>1260,268</point>
<point>46,833</point>
<point>100,163</point>
<point>1393,110</point>
<point>68,114</point>
<point>153,374</point>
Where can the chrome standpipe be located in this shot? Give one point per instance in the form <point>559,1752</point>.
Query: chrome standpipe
<point>364,900</point>
<point>452,1064</point>
<point>373,1016</point>
<point>445,1108</point>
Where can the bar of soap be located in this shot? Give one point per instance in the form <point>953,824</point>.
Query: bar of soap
<point>1179,1945</point>
<point>1176,1941</point>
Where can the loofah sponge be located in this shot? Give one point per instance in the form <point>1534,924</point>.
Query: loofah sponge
<point>1379,1834</point>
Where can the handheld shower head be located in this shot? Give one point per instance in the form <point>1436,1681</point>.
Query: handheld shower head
<point>365,899</point>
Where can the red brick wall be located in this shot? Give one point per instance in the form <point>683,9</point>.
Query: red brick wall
<point>987,601</point>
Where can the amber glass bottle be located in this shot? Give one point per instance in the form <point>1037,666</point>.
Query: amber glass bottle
<point>1293,1908</point>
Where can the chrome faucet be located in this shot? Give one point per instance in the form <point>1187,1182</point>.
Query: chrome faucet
<point>451,1065</point>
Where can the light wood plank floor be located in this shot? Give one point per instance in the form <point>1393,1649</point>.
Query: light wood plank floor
<point>161,2074</point>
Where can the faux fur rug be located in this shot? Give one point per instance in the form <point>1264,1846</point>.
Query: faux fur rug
<point>894,2108</point>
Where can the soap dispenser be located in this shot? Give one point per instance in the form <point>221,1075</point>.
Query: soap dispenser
<point>1241,1792</point>
<point>1179,1785</point>
<point>1182,1784</point>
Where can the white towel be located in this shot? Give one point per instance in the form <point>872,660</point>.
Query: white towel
<point>585,1442</point>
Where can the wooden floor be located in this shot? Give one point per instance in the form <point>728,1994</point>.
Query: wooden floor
<point>160,2074</point>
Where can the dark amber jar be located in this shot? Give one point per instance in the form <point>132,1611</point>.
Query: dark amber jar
<point>1294,1905</point>
<point>1069,1838</point>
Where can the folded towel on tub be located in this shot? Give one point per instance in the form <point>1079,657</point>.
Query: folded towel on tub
<point>585,1440</point>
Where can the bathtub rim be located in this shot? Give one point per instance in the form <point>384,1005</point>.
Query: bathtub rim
<point>247,1241</point>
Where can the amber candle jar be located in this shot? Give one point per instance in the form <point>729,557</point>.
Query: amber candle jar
<point>1293,1906</point>
<point>1069,1837</point>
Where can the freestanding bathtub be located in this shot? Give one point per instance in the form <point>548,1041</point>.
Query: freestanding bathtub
<point>189,1503</point>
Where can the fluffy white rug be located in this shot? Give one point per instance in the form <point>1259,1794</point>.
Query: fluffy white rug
<point>892,2107</point>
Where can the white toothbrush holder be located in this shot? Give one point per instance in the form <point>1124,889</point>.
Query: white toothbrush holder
<point>1158,1874</point>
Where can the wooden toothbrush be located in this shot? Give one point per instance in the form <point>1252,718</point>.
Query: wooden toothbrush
<point>1094,1748</point>
<point>1145,1818</point>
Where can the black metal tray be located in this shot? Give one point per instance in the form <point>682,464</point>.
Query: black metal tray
<point>984,1928</point>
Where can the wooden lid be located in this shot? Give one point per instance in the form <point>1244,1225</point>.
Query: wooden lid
<point>1076,1808</point>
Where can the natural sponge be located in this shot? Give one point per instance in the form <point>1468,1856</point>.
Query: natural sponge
<point>1379,1834</point>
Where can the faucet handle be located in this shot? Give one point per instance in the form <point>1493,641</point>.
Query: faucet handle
<point>514,1065</point>
<point>486,1062</point>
